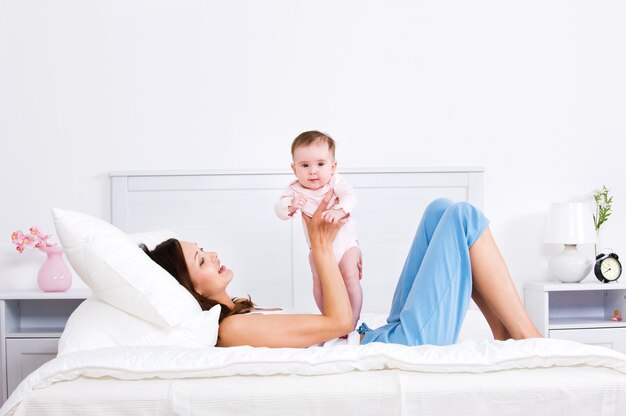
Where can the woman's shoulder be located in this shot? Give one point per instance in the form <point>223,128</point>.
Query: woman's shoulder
<point>232,321</point>
<point>254,329</point>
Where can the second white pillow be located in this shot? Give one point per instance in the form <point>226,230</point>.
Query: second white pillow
<point>96,324</point>
<point>119,272</point>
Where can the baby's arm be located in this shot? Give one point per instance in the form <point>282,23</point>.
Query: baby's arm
<point>282,205</point>
<point>346,196</point>
<point>297,203</point>
<point>351,267</point>
<point>288,204</point>
<point>346,202</point>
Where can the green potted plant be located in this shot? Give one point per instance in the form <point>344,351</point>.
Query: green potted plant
<point>603,210</point>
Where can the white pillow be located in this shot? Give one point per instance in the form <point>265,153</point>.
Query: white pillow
<point>96,324</point>
<point>119,272</point>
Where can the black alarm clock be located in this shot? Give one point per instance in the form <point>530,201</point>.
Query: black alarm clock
<point>607,268</point>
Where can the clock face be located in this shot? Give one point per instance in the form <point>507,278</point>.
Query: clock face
<point>610,268</point>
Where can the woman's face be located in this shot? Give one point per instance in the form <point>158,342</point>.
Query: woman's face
<point>209,277</point>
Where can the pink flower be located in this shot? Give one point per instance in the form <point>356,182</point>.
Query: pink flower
<point>35,238</point>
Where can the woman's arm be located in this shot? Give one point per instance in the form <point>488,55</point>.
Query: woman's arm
<point>300,330</point>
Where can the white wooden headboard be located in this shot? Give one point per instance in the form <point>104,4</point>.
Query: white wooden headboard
<point>232,213</point>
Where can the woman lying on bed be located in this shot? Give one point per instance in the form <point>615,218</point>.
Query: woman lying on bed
<point>453,257</point>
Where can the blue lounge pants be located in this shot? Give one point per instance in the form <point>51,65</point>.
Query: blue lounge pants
<point>435,286</point>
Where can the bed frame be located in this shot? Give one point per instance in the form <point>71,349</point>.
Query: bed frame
<point>232,212</point>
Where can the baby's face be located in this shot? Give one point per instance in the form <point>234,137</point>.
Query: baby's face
<point>313,165</point>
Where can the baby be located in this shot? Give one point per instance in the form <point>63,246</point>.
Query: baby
<point>314,165</point>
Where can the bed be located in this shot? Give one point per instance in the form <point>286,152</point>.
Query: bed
<point>138,346</point>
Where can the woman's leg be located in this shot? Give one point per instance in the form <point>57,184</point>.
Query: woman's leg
<point>498,329</point>
<point>423,235</point>
<point>493,281</point>
<point>436,302</point>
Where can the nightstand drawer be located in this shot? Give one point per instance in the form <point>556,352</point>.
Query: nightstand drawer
<point>614,338</point>
<point>25,355</point>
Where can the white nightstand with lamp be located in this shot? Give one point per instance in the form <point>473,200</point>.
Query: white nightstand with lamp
<point>587,312</point>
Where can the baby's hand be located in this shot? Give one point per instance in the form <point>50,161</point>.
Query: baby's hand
<point>333,216</point>
<point>297,203</point>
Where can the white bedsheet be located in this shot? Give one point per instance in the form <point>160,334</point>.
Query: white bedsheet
<point>143,363</point>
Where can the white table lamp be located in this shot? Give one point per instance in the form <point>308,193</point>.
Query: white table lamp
<point>570,224</point>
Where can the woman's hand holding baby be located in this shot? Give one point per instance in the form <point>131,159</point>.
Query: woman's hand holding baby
<point>321,232</point>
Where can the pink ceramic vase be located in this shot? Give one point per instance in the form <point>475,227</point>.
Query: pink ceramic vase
<point>54,275</point>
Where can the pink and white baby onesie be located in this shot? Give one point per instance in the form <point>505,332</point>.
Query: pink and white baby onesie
<point>343,198</point>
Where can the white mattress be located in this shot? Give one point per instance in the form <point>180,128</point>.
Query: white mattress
<point>541,391</point>
<point>474,377</point>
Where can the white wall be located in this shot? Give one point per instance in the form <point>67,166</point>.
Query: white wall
<point>531,90</point>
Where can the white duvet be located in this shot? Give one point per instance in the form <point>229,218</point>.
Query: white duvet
<point>166,362</point>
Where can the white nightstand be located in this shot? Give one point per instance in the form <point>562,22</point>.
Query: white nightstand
<point>579,311</point>
<point>31,323</point>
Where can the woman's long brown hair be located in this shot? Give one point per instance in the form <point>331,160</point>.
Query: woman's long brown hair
<point>169,255</point>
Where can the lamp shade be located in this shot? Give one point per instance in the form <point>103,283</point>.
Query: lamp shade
<point>570,223</point>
